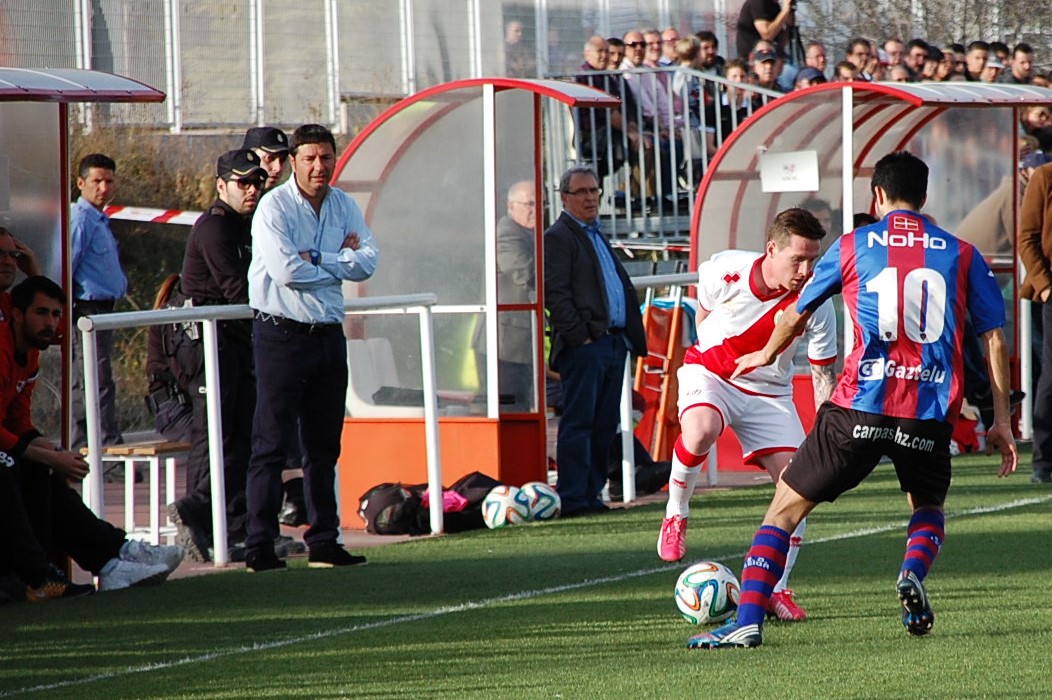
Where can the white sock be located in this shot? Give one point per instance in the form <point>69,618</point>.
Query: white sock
<point>681,482</point>
<point>795,540</point>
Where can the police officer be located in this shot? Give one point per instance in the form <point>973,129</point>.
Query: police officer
<point>272,146</point>
<point>215,271</point>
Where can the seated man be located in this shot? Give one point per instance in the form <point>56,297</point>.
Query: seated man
<point>24,567</point>
<point>56,516</point>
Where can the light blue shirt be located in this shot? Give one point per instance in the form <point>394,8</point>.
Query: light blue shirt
<point>615,290</point>
<point>280,282</point>
<point>97,273</point>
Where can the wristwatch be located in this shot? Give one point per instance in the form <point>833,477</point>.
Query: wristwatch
<point>315,256</point>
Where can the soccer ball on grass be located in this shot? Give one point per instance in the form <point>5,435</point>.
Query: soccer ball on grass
<point>544,502</point>
<point>505,505</point>
<point>707,592</point>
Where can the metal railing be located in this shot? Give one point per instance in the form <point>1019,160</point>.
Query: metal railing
<point>419,304</point>
<point>651,168</point>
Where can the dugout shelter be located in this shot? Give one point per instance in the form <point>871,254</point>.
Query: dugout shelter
<point>816,148</point>
<point>35,174</point>
<point>431,174</point>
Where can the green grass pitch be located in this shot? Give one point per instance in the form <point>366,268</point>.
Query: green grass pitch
<point>578,609</point>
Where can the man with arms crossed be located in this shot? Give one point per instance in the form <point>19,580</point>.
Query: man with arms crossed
<point>740,294</point>
<point>907,285</point>
<point>306,239</point>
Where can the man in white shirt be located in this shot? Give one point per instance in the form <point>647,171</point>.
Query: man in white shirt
<point>306,239</point>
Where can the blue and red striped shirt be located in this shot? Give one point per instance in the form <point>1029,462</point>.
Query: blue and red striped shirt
<point>908,286</point>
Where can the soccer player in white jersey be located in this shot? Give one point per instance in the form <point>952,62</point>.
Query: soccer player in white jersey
<point>740,296</point>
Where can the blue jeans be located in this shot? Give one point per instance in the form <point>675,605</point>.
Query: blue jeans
<point>301,380</point>
<point>592,377</point>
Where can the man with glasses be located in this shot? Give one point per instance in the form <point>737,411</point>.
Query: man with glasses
<point>815,56</point>
<point>517,284</point>
<point>669,37</point>
<point>215,272</point>
<point>858,53</point>
<point>595,319</point>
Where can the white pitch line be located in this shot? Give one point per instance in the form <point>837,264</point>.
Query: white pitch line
<point>478,604</point>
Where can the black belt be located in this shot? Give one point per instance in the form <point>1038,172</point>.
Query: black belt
<point>615,331</point>
<point>298,326</point>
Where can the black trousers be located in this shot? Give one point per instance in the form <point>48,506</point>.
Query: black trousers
<point>60,521</point>
<point>1042,459</point>
<point>20,552</point>
<point>301,379</point>
<point>111,433</point>
<point>237,402</point>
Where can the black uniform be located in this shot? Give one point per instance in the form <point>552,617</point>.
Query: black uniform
<point>215,271</point>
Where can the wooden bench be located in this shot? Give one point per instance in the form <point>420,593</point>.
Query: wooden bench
<point>151,452</point>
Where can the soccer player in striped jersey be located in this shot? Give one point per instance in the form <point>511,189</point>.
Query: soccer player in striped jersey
<point>908,286</point>
<point>740,295</point>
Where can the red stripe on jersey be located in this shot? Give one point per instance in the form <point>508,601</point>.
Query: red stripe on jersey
<point>964,263</point>
<point>721,359</point>
<point>847,387</point>
<point>822,363</point>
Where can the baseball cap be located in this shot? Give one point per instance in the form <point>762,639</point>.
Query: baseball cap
<point>267,138</point>
<point>994,63</point>
<point>242,164</point>
<point>812,74</point>
<point>1034,160</point>
<point>765,56</point>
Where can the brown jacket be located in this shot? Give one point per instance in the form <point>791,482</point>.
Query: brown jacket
<point>1035,233</point>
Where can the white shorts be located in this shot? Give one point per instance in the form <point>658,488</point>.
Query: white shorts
<point>763,424</point>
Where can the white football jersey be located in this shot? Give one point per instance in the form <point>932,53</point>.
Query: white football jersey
<point>741,321</point>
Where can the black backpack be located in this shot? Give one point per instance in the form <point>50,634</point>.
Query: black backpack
<point>394,509</point>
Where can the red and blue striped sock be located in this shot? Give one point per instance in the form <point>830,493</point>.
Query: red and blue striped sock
<point>763,567</point>
<point>923,541</point>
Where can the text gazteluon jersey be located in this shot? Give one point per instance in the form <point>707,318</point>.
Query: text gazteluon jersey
<point>907,285</point>
<point>740,321</point>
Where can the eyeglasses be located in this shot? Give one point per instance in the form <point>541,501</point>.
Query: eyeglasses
<point>13,254</point>
<point>635,44</point>
<point>653,43</point>
<point>596,191</point>
<point>246,185</point>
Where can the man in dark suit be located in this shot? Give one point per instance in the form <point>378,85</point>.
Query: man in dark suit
<point>595,318</point>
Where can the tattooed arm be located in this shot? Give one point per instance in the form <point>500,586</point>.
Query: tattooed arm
<point>823,379</point>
